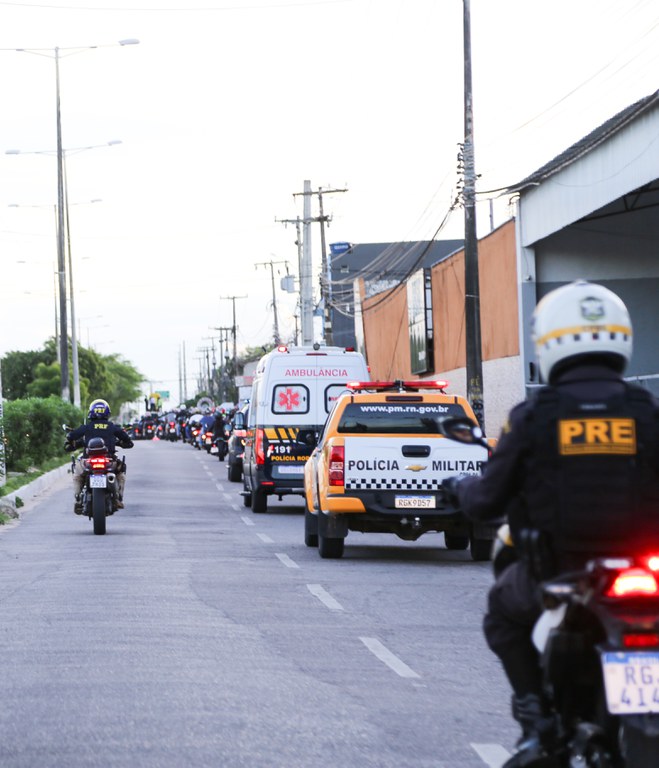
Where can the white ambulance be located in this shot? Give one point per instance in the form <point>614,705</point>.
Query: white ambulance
<point>293,390</point>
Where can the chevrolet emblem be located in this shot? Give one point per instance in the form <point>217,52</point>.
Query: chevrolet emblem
<point>416,467</point>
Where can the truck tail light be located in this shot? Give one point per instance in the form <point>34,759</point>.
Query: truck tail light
<point>336,465</point>
<point>259,447</point>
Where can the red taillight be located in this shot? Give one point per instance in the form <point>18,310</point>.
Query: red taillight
<point>240,432</point>
<point>336,464</point>
<point>259,446</point>
<point>172,423</point>
<point>641,640</point>
<point>633,582</point>
<point>99,462</point>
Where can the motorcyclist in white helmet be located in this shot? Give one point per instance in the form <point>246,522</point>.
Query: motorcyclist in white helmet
<point>576,469</point>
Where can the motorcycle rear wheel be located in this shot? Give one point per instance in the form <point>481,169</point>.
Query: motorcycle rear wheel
<point>98,510</point>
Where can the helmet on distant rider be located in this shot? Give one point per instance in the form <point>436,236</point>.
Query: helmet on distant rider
<point>578,321</point>
<point>99,409</point>
<point>96,446</point>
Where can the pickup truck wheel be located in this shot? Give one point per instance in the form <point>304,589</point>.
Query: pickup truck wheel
<point>310,529</point>
<point>481,549</point>
<point>233,473</point>
<point>259,502</point>
<point>330,548</point>
<point>247,496</point>
<point>456,541</point>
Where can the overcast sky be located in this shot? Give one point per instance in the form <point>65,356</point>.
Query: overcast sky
<point>226,107</point>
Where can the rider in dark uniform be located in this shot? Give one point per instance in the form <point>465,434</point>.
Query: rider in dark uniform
<point>577,471</point>
<point>98,425</point>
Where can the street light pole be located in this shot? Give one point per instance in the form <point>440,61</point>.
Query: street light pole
<point>61,267</point>
<point>61,262</point>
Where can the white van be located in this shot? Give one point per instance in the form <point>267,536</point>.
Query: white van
<point>293,390</point>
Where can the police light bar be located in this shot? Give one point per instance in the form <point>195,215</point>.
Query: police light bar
<point>398,384</point>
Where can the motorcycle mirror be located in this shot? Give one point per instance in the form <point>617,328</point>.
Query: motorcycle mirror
<point>66,427</point>
<point>462,430</point>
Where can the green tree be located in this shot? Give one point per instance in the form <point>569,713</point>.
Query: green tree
<point>19,369</point>
<point>46,381</point>
<point>124,380</point>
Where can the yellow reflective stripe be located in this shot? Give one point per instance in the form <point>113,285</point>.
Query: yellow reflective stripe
<point>584,329</point>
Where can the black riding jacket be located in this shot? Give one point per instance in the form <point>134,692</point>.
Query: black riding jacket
<point>112,434</point>
<point>580,462</point>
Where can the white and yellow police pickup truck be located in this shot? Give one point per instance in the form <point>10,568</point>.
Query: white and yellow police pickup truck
<point>379,465</point>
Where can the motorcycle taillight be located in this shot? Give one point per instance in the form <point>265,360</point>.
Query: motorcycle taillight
<point>99,462</point>
<point>640,640</point>
<point>633,582</point>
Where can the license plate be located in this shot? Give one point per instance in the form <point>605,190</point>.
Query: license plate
<point>215,449</point>
<point>98,481</point>
<point>631,680</point>
<point>290,469</point>
<point>415,502</point>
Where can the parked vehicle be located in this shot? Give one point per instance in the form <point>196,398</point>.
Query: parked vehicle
<point>293,390</point>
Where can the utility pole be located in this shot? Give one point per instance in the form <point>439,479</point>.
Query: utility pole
<point>305,283</point>
<point>326,266</point>
<point>271,264</point>
<point>234,327</point>
<point>474,368</point>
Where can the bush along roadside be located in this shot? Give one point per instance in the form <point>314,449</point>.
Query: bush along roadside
<point>34,444</point>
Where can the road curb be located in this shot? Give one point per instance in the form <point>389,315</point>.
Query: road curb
<point>28,492</point>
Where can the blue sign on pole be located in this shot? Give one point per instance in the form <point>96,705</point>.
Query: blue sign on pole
<point>336,249</point>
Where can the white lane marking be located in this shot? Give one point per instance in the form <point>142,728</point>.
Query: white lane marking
<point>247,520</point>
<point>235,507</point>
<point>286,560</point>
<point>219,487</point>
<point>493,755</point>
<point>265,538</point>
<point>381,651</point>
<point>228,496</point>
<point>325,598</point>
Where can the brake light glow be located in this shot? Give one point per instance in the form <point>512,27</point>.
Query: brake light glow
<point>336,465</point>
<point>641,640</point>
<point>99,462</point>
<point>653,563</point>
<point>634,582</point>
<point>259,449</point>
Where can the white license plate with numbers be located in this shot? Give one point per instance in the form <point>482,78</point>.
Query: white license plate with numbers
<point>98,481</point>
<point>631,680</point>
<point>415,502</point>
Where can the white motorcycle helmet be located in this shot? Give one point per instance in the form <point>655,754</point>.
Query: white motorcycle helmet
<point>581,318</point>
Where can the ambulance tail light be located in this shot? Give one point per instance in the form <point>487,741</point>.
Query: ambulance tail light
<point>336,465</point>
<point>259,447</point>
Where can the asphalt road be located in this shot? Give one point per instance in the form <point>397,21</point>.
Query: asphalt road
<point>197,633</point>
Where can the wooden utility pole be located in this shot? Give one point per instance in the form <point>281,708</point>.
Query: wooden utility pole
<point>474,369</point>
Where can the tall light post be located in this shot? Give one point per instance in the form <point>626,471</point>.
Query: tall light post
<point>57,53</point>
<point>74,337</point>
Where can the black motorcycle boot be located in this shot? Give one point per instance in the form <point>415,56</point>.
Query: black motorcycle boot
<point>77,505</point>
<point>535,748</point>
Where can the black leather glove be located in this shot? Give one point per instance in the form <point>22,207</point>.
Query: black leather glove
<point>450,488</point>
<point>69,446</point>
<point>128,444</point>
